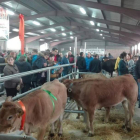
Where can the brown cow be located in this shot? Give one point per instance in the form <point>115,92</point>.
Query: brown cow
<point>92,94</point>
<point>40,111</point>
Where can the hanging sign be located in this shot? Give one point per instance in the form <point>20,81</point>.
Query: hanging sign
<point>4,25</point>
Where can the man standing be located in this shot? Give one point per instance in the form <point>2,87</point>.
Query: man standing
<point>64,61</point>
<point>55,52</point>
<point>34,55</point>
<point>95,65</point>
<point>137,70</point>
<point>88,60</point>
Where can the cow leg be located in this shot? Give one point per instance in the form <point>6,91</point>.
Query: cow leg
<point>41,134</point>
<point>131,114</point>
<point>91,117</point>
<point>107,114</point>
<point>60,130</point>
<point>87,123</point>
<point>125,106</point>
<point>52,130</point>
<point>78,116</point>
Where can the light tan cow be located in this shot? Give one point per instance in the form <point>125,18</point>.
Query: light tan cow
<point>92,94</point>
<point>42,108</point>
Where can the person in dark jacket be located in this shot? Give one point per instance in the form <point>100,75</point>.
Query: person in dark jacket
<point>34,55</point>
<point>11,85</point>
<point>65,60</point>
<point>123,68</point>
<point>2,60</point>
<point>41,62</point>
<point>24,66</point>
<point>137,71</point>
<point>88,60</point>
<point>95,65</point>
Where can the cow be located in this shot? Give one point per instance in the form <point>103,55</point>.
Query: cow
<point>109,66</point>
<point>43,107</point>
<point>92,94</point>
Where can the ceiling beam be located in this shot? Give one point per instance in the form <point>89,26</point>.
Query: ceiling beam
<point>7,0</point>
<point>133,28</point>
<point>126,11</point>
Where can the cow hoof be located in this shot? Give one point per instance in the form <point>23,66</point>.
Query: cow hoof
<point>77,117</point>
<point>90,135</point>
<point>60,135</point>
<point>129,129</point>
<point>123,127</point>
<point>51,134</point>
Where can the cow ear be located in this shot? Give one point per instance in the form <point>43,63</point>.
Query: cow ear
<point>8,104</point>
<point>9,99</point>
<point>19,112</point>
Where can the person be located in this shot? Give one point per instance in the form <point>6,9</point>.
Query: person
<point>56,71</point>
<point>65,60</point>
<point>34,55</point>
<point>123,68</point>
<point>88,59</point>
<point>59,59</point>
<point>105,58</point>
<point>95,65</point>
<point>24,66</point>
<point>11,85</point>
<point>101,58</point>
<point>81,63</point>
<point>71,60</point>
<point>55,52</point>
<point>2,60</point>
<point>137,70</point>
<point>117,64</point>
<point>110,56</point>
<point>40,62</point>
<point>130,61</point>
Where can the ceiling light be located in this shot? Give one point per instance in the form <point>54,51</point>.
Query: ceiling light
<point>42,32</point>
<point>16,30</point>
<point>63,34</point>
<point>52,29</point>
<point>92,23</point>
<point>71,37</point>
<point>56,40</point>
<point>10,12</point>
<point>41,39</point>
<point>98,24</point>
<point>103,37</point>
<point>83,10</point>
<point>70,33</point>
<point>48,38</point>
<point>101,34</point>
<point>97,30</point>
<point>36,23</point>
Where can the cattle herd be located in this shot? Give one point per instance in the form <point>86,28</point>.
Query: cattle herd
<point>45,106</point>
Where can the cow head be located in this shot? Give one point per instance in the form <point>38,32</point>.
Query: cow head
<point>10,116</point>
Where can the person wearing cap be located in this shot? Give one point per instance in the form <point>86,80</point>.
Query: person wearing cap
<point>137,70</point>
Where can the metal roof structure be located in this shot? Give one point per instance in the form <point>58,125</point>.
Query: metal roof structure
<point>61,20</point>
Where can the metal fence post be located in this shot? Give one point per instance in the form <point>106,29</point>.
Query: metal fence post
<point>48,75</point>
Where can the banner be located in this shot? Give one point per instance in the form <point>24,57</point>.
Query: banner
<point>21,32</point>
<point>4,25</point>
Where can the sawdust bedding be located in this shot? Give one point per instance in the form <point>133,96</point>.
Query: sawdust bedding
<point>73,128</point>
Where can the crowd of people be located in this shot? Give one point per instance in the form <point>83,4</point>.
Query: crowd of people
<point>16,63</point>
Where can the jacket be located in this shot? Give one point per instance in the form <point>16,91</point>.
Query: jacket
<point>65,61</point>
<point>2,60</point>
<point>88,60</point>
<point>137,69</point>
<point>10,70</point>
<point>23,67</point>
<point>34,57</point>
<point>95,66</point>
<point>117,63</point>
<point>130,64</point>
<point>81,64</point>
<point>122,68</point>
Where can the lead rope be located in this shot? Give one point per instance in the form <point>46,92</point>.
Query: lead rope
<point>51,97</point>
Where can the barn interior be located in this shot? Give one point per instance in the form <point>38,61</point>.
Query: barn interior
<point>96,26</point>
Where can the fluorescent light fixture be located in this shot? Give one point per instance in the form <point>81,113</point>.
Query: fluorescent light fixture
<point>103,37</point>
<point>63,34</point>
<point>41,39</point>
<point>70,33</point>
<point>16,30</point>
<point>70,48</point>
<point>83,10</point>
<point>56,40</point>
<point>48,38</point>
<point>101,34</point>
<point>92,23</point>
<point>98,24</point>
<point>52,29</point>
<point>36,23</point>
<point>42,32</point>
<point>97,30</point>
<point>10,12</point>
<point>71,37</point>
